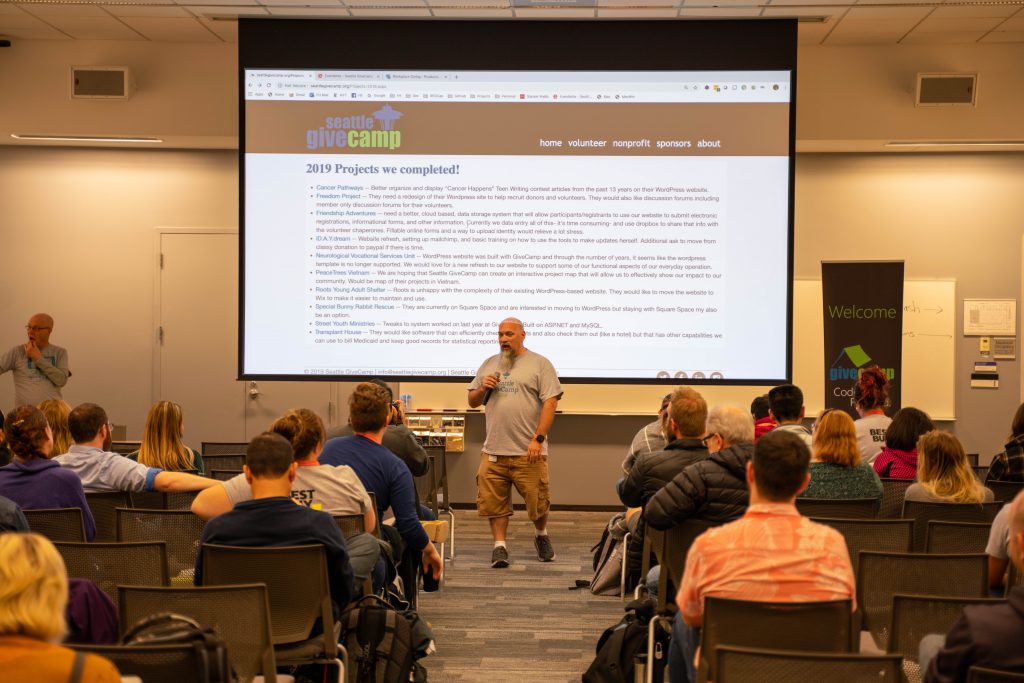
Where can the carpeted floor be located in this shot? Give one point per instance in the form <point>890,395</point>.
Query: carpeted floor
<point>522,623</point>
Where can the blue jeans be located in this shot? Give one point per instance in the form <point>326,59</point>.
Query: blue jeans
<point>681,651</point>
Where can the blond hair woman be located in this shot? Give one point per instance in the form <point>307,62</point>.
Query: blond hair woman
<point>836,468</point>
<point>944,474</point>
<point>56,412</point>
<point>33,595</point>
<point>161,441</point>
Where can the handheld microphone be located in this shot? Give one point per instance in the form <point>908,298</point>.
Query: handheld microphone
<point>488,392</point>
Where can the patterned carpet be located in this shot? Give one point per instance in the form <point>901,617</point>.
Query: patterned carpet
<point>520,623</point>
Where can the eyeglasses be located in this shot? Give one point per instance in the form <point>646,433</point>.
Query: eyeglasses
<point>36,328</point>
<point>708,438</point>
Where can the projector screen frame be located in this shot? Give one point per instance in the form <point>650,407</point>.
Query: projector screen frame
<point>612,45</point>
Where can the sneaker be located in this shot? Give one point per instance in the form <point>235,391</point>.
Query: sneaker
<point>499,558</point>
<point>545,552</point>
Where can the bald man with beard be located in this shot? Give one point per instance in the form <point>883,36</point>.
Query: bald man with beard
<point>40,368</point>
<point>521,390</point>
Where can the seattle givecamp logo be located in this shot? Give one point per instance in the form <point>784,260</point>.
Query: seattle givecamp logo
<point>358,132</point>
<point>859,358</point>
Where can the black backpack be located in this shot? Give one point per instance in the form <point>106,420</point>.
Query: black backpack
<point>175,629</point>
<point>619,646</point>
<point>379,642</point>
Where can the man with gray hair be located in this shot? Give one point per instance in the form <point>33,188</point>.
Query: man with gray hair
<point>521,390</point>
<point>40,368</point>
<point>713,489</point>
<point>988,636</point>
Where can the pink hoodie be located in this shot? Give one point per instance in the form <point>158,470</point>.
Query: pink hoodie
<point>901,464</point>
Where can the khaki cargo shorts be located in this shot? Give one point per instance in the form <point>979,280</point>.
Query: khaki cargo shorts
<point>495,479</point>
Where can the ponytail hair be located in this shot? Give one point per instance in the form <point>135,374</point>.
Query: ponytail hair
<point>872,389</point>
<point>303,429</point>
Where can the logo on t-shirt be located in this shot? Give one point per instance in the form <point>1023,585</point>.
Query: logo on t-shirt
<point>303,496</point>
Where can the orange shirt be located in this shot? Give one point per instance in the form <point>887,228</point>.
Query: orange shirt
<point>771,554</point>
<point>28,659</point>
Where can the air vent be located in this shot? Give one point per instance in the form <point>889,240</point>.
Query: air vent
<point>941,90</point>
<point>101,82</point>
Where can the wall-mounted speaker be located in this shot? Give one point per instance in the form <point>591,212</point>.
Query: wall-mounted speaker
<point>101,82</point>
<point>937,90</point>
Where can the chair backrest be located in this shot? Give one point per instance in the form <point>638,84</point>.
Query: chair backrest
<point>125,447</point>
<point>103,506</point>
<point>440,465</point>
<point>978,674</point>
<point>893,493</point>
<point>350,525</point>
<point>882,575</point>
<point>1014,578</point>
<point>824,626</point>
<point>223,448</point>
<point>956,537</point>
<point>1005,491</point>
<point>915,616</point>
<point>110,565</point>
<point>294,604</point>
<point>745,664</point>
<point>980,471</point>
<point>179,529</point>
<point>223,475</point>
<point>163,500</point>
<point>922,513</point>
<point>152,663</point>
<point>58,524</point>
<point>846,508</point>
<point>426,485</point>
<point>225,461</point>
<point>972,458</point>
<point>239,614</point>
<point>671,548</point>
<point>886,535</point>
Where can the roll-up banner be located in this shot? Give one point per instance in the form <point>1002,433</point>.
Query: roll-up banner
<point>863,309</point>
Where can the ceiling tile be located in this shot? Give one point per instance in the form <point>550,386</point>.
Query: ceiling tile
<point>390,12</point>
<point>94,28</point>
<point>806,11</point>
<point>813,34</point>
<point>896,14</point>
<point>41,32</point>
<point>558,12</point>
<point>941,37</point>
<point>390,4</point>
<point>310,12</point>
<point>626,13</point>
<point>147,11</point>
<point>1014,23</point>
<point>19,19</point>
<point>189,30</point>
<point>448,5</point>
<point>48,11</point>
<point>720,12</point>
<point>946,12</point>
<point>480,13</point>
<point>869,32</point>
<point>1004,37</point>
<point>963,24</point>
<point>634,4</point>
<point>227,30</point>
<point>222,11</point>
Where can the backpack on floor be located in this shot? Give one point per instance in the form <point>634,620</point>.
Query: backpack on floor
<point>620,645</point>
<point>608,555</point>
<point>174,629</point>
<point>379,641</point>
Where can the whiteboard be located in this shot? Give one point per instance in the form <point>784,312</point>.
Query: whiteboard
<point>929,318</point>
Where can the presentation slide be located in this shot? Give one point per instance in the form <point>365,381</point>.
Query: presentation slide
<point>637,222</point>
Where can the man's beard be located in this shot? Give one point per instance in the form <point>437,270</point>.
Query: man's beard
<point>508,359</point>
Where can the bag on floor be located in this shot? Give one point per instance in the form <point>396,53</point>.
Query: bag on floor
<point>608,555</point>
<point>619,646</point>
<point>174,629</point>
<point>379,641</point>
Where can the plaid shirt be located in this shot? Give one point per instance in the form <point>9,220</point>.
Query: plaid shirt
<point>1008,465</point>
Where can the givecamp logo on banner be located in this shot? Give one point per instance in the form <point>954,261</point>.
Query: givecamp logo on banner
<point>357,132</point>
<point>863,315</point>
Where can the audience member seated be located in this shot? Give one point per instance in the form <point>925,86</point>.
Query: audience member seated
<point>944,474</point>
<point>998,550</point>
<point>5,452</point>
<point>1009,465</point>
<point>33,594</point>
<point>650,438</point>
<point>688,414</point>
<point>786,403</point>
<point>91,615</point>
<point>100,470</point>
<point>32,480</point>
<point>713,489</point>
<point>898,460</point>
<point>334,490</point>
<point>384,475</point>
<point>56,412</point>
<point>760,410</point>
<point>272,518</point>
<point>11,516</point>
<point>836,469</point>
<point>398,438</point>
<point>989,636</point>
<point>162,444</point>
<point>870,395</point>
<point>771,554</point>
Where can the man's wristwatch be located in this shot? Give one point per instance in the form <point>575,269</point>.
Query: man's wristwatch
<point>539,438</point>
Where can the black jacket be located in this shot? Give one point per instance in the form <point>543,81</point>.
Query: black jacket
<point>713,490</point>
<point>986,635</point>
<point>651,471</point>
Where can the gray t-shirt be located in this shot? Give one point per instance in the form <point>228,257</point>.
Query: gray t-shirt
<point>36,381</point>
<point>337,490</point>
<point>515,406</point>
<point>101,470</point>
<point>797,429</point>
<point>871,436</point>
<point>647,440</point>
<point>999,536</point>
<point>918,493</point>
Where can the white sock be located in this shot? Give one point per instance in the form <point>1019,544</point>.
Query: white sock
<point>541,532</point>
<point>499,544</point>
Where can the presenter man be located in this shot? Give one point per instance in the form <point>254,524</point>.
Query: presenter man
<point>40,368</point>
<point>521,390</point>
